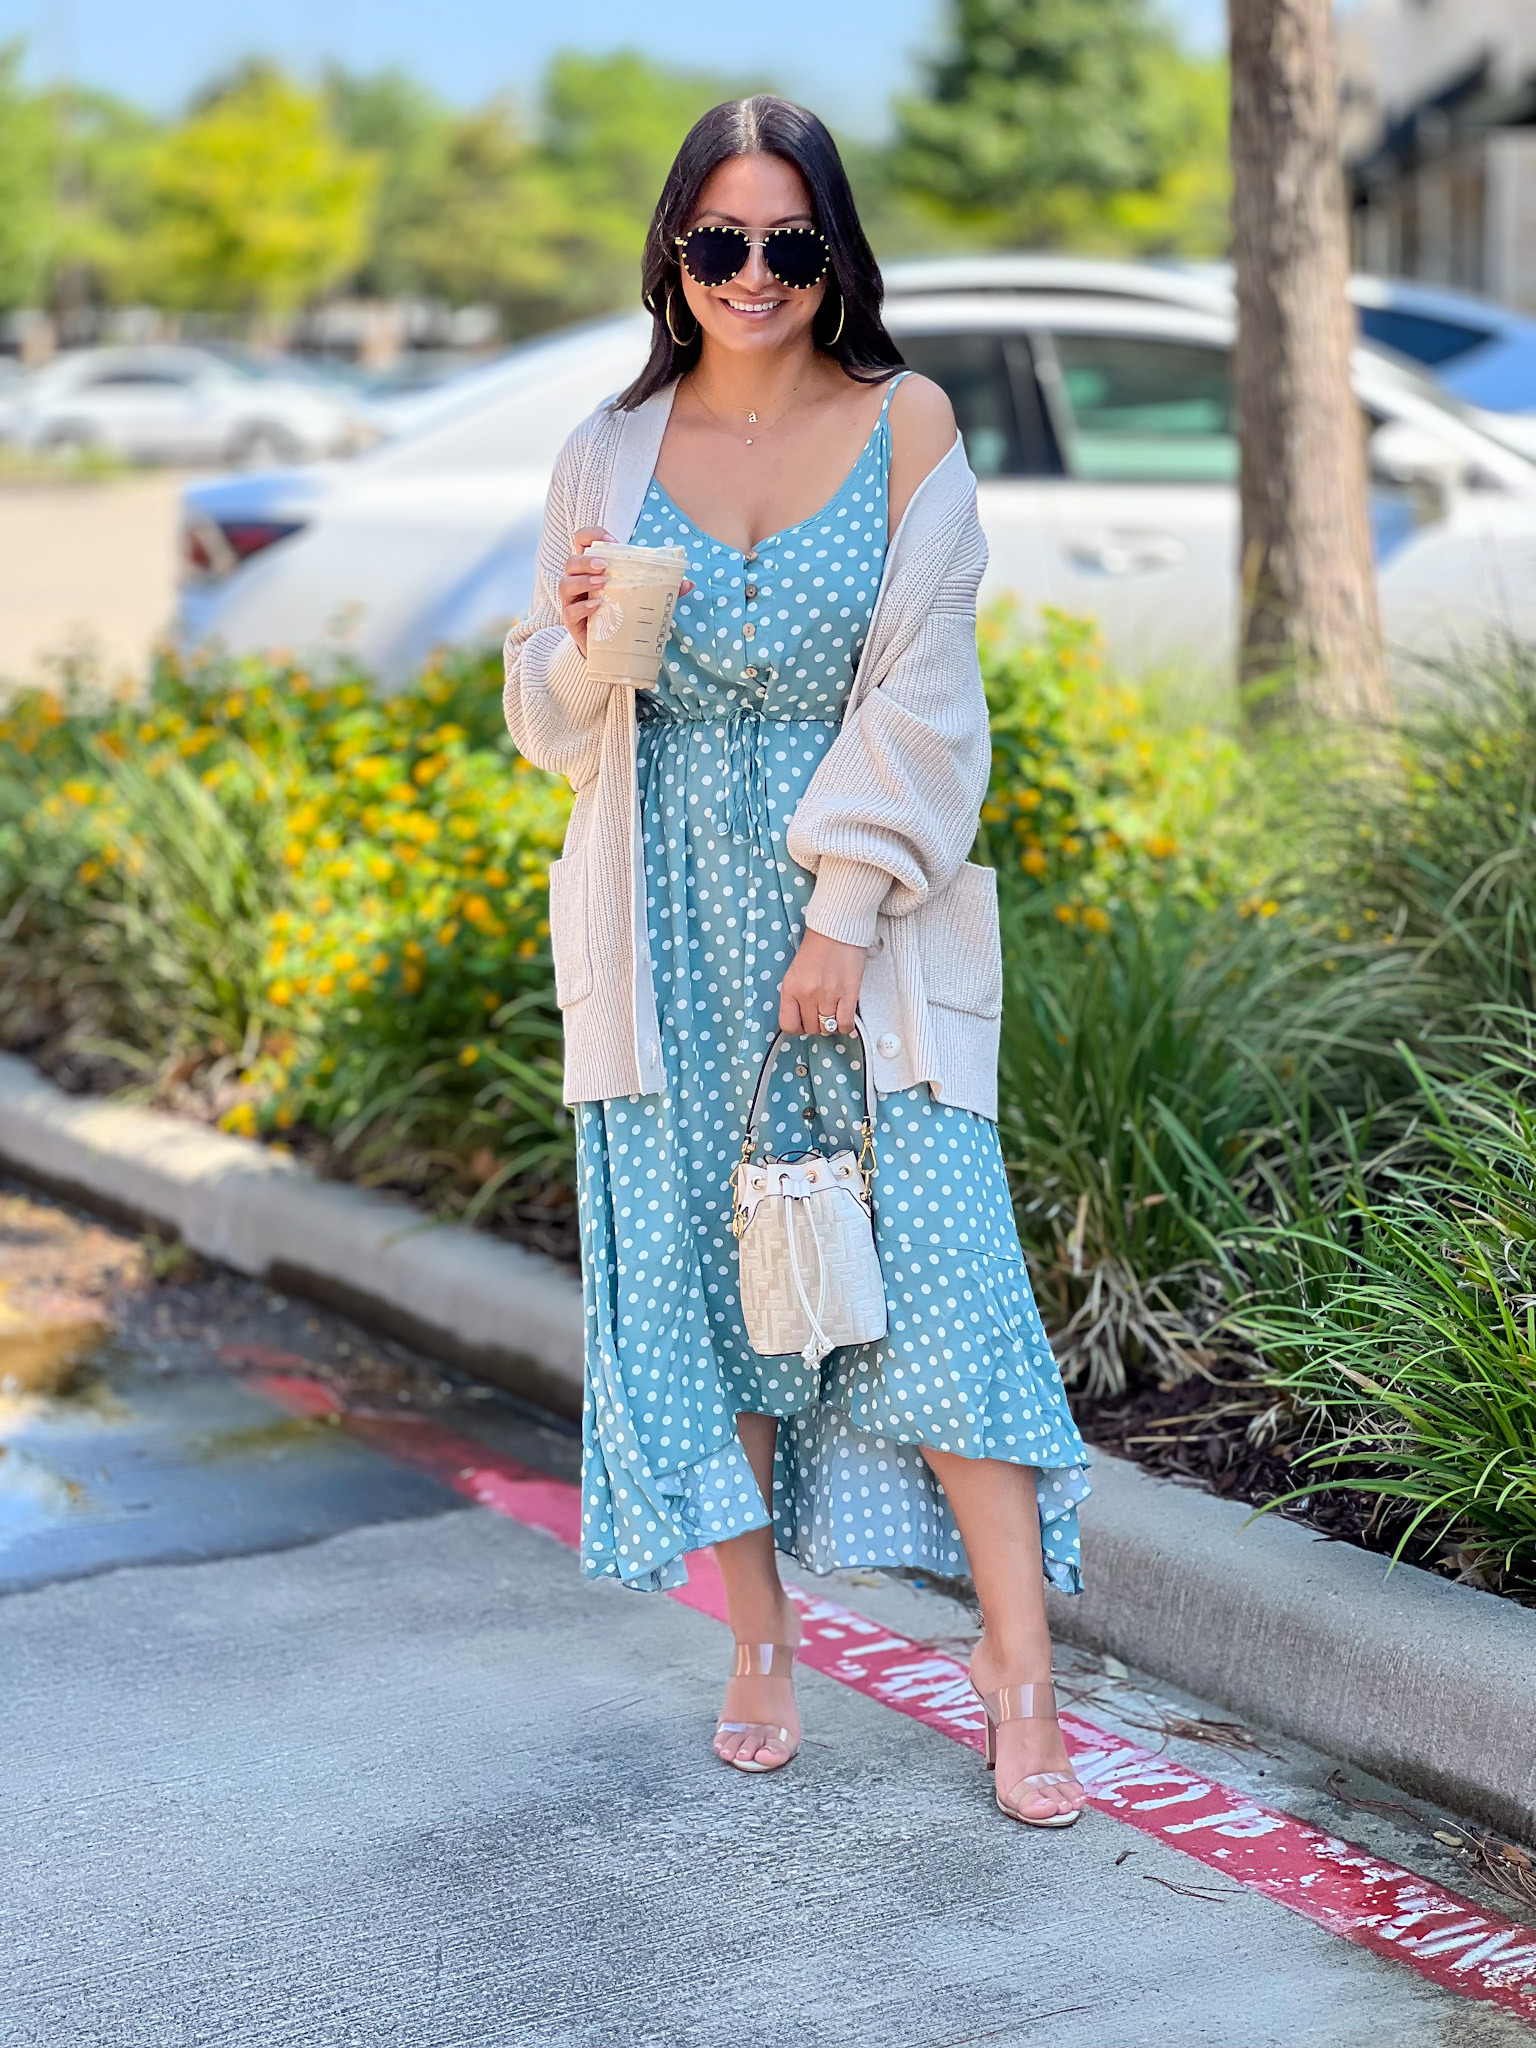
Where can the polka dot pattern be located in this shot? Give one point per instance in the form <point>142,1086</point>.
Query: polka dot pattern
<point>728,743</point>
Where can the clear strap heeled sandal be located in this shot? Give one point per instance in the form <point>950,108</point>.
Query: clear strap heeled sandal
<point>1025,1703</point>
<point>760,1660</point>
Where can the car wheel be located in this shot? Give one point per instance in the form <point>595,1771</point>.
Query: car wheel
<point>68,438</point>
<point>265,447</point>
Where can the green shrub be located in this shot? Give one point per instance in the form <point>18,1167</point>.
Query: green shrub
<point>296,905</point>
<point>1402,1320</point>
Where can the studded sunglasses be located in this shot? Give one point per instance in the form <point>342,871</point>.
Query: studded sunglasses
<point>797,257</point>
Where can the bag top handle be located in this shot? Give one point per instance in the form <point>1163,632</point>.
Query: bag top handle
<point>765,1075</point>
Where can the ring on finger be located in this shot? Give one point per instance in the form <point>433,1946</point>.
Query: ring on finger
<point>828,1023</point>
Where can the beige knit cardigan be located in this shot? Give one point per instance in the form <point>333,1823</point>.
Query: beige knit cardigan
<point>885,825</point>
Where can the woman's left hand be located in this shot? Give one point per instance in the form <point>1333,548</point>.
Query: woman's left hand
<point>823,981</point>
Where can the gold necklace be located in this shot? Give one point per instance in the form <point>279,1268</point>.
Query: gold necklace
<point>751,415</point>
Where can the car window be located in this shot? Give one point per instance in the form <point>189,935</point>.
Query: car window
<point>1003,436</point>
<point>138,376</point>
<point>1425,339</point>
<point>1136,409</point>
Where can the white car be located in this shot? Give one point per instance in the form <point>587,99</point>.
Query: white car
<point>174,404</point>
<point>1098,420</point>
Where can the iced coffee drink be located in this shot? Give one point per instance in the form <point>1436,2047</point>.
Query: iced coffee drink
<point>627,634</point>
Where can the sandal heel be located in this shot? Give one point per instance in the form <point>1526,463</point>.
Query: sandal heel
<point>1023,1703</point>
<point>761,1660</point>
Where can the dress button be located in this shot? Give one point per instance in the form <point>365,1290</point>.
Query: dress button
<point>751,592</point>
<point>749,631</point>
<point>750,555</point>
<point>750,674</point>
<point>888,1045</point>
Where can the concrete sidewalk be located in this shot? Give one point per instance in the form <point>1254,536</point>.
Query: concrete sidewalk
<point>415,1787</point>
<point>87,568</point>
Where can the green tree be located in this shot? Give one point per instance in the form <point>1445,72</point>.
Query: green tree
<point>408,132</point>
<point>540,213</point>
<point>26,185</point>
<point>102,149</point>
<point>1068,121</point>
<point>256,203</point>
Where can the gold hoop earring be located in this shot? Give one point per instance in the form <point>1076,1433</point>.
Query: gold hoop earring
<point>674,333</point>
<point>842,314</point>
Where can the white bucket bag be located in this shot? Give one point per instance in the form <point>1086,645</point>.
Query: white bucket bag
<point>805,1237</point>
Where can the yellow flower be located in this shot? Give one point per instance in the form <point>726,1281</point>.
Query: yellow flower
<point>90,871</point>
<point>1066,913</point>
<point>410,978</point>
<point>1161,846</point>
<point>448,933</point>
<point>325,985</point>
<point>1034,862</point>
<point>345,961</point>
<point>1029,799</point>
<point>284,1119</point>
<point>241,1120</point>
<point>469,1055</point>
<point>527,947</point>
<point>491,999</point>
<point>379,962</point>
<point>1268,907</point>
<point>1095,919</point>
<point>1071,844</point>
<point>380,866</point>
<point>281,993</point>
<point>497,878</point>
<point>412,950</point>
<point>358,982</point>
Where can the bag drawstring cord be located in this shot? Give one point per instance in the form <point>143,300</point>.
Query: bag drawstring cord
<point>818,1344</point>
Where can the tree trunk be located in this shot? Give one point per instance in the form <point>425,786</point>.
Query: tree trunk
<point>1311,628</point>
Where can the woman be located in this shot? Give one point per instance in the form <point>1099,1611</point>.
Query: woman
<point>776,835</point>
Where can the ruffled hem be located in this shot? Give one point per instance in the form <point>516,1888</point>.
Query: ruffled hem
<point>847,1498</point>
<point>640,1536</point>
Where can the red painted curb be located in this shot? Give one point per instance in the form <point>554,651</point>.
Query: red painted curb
<point>1390,1911</point>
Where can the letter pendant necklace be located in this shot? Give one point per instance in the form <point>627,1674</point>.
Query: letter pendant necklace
<point>751,416</point>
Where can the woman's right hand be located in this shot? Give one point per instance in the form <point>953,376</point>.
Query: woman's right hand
<point>581,587</point>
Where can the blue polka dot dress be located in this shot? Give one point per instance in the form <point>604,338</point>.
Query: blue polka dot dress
<point>757,672</point>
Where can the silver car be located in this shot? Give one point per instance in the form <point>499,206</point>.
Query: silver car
<point>1097,418</point>
<point>175,404</point>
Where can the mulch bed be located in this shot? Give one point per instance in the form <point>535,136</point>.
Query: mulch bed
<point>1237,1440</point>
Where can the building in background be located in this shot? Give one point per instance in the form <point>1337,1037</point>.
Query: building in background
<point>1440,140</point>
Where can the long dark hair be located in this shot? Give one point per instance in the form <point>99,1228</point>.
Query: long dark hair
<point>764,126</point>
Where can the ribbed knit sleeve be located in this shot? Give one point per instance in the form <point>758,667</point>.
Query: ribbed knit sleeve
<point>892,811</point>
<point>554,712</point>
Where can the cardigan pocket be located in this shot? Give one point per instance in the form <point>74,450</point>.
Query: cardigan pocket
<point>568,930</point>
<point>958,944</point>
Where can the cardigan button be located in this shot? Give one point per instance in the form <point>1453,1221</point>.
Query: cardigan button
<point>888,1045</point>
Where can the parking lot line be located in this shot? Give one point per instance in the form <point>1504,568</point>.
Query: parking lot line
<point>1374,1904</point>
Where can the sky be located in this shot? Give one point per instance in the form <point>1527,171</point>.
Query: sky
<point>843,57</point>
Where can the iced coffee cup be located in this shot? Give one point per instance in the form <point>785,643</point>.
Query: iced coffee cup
<point>626,636</point>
